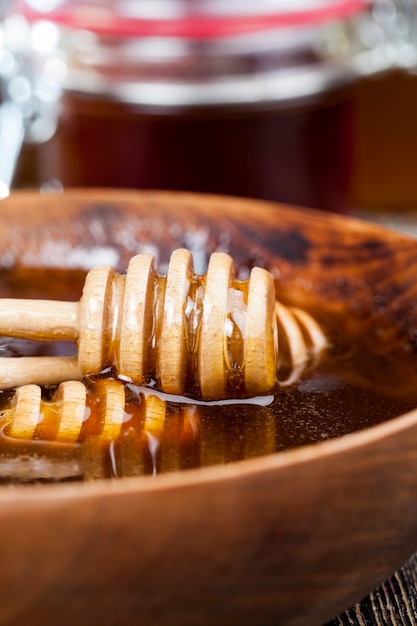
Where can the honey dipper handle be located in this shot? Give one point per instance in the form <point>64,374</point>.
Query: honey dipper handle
<point>37,370</point>
<point>43,320</point>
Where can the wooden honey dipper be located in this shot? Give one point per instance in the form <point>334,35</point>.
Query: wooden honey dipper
<point>212,334</point>
<point>109,417</point>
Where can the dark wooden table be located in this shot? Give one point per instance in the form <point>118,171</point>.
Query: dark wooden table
<point>395,602</point>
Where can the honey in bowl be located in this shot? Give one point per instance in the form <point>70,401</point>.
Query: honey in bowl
<point>110,426</point>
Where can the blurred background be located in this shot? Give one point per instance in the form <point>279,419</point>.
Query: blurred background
<point>311,102</point>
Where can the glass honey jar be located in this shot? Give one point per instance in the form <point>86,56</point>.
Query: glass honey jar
<point>218,96</point>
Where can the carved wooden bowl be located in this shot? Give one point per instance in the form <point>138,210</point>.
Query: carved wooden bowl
<point>291,538</point>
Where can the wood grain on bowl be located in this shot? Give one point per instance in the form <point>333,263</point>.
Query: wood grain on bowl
<point>291,538</point>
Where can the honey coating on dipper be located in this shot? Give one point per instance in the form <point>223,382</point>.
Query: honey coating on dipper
<point>211,336</point>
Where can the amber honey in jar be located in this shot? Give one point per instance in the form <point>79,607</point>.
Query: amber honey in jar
<point>230,97</point>
<point>385,124</point>
<point>384,176</point>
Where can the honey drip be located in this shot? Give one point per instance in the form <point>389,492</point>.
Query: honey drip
<point>212,336</point>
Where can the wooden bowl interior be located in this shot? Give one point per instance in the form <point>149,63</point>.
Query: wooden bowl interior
<point>292,538</point>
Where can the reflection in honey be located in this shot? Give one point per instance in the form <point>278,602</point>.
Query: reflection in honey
<point>112,429</point>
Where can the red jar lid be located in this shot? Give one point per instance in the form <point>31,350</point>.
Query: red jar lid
<point>191,23</point>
